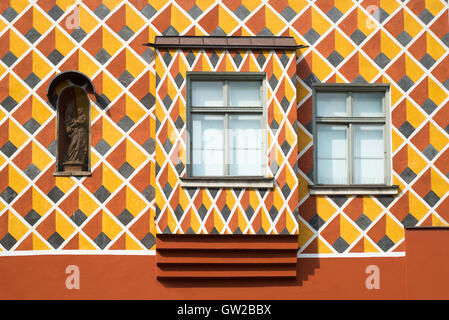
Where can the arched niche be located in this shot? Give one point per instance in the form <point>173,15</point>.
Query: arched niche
<point>73,131</point>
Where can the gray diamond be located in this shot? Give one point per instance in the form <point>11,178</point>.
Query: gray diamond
<point>339,200</point>
<point>102,240</point>
<point>431,198</point>
<point>32,217</point>
<point>102,11</point>
<point>125,217</point>
<point>9,58</point>
<point>126,78</point>
<point>55,194</point>
<point>249,212</point>
<point>149,146</point>
<point>179,80</point>
<point>149,240</point>
<point>218,32</point>
<point>408,175</point>
<point>167,145</point>
<point>285,147</point>
<point>265,32</point>
<point>9,103</point>
<point>382,60</point>
<point>213,192</point>
<point>406,129</point>
<point>261,60</point>
<point>359,79</point>
<point>409,221</point>
<point>102,56</point>
<point>385,243</point>
<point>445,39</point>
<point>405,83</point>
<point>340,245</point>
<point>52,148</point>
<point>170,31</point>
<point>404,38</point>
<point>126,33</point>
<point>214,59</point>
<point>241,12</point>
<point>179,211</point>
<point>8,241</point>
<point>9,14</point>
<point>78,217</point>
<point>335,58</point>
<point>427,61</point>
<point>311,79</point>
<point>429,106</point>
<point>274,167</point>
<point>190,58</point>
<point>148,55</point>
<point>202,211</point>
<point>285,104</point>
<point>126,169</point>
<point>126,123</point>
<point>167,190</point>
<point>284,59</point>
<point>380,15</point>
<point>55,240</point>
<point>385,200</point>
<point>363,221</point>
<point>237,59</point>
<point>273,82</point>
<point>78,34</point>
<point>426,16</point>
<point>32,80</point>
<point>103,101</point>
<point>273,213</point>
<point>316,222</point>
<point>358,37</point>
<point>446,84</point>
<point>286,190</point>
<point>102,194</point>
<point>430,152</point>
<point>102,147</point>
<point>167,101</point>
<point>8,194</point>
<point>55,57</point>
<point>167,58</point>
<point>32,171</point>
<point>195,11</point>
<point>261,231</point>
<point>148,11</point>
<point>148,101</point>
<point>225,212</point>
<point>55,12</point>
<point>32,35</point>
<point>149,193</point>
<point>8,149</point>
<point>288,13</point>
<point>334,14</point>
<point>311,36</point>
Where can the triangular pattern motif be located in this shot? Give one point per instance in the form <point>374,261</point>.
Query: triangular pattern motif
<point>404,43</point>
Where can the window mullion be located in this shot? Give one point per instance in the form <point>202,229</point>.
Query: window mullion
<point>226,130</point>
<point>349,145</point>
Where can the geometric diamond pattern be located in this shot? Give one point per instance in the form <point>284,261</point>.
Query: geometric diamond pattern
<point>137,130</point>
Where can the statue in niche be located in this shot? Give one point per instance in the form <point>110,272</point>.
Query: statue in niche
<point>76,129</point>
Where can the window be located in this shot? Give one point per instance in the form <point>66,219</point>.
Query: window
<point>226,125</point>
<point>351,132</point>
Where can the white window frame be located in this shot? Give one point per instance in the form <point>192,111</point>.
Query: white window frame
<point>348,121</point>
<point>226,180</point>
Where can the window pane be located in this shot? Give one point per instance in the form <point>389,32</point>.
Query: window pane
<point>332,154</point>
<point>369,156</point>
<point>331,141</point>
<point>245,142</point>
<point>332,171</point>
<point>367,104</point>
<point>244,93</point>
<point>368,141</point>
<point>208,145</point>
<point>207,93</point>
<point>369,171</point>
<point>331,104</point>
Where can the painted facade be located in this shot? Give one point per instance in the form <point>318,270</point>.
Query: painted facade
<point>138,122</point>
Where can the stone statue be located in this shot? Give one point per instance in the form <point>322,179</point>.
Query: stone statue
<point>76,128</point>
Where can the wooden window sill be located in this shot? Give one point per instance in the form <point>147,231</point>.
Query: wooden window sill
<point>353,189</point>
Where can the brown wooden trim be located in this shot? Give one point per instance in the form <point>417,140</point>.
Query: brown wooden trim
<point>182,256</point>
